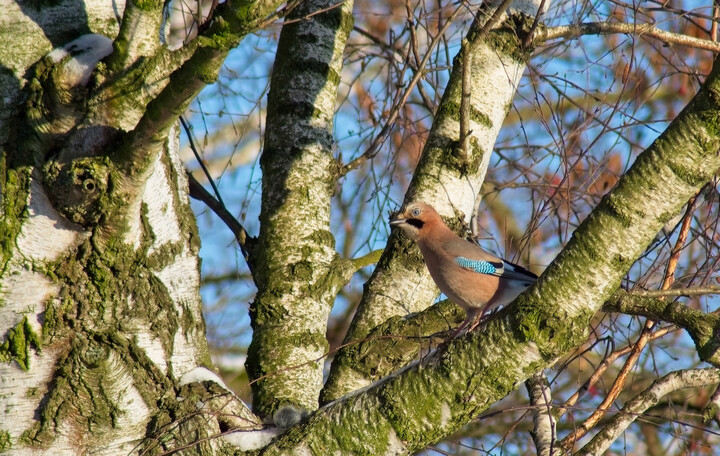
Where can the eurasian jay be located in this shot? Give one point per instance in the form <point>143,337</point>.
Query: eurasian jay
<point>470,276</point>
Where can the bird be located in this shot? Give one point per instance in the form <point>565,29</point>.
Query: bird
<point>470,276</point>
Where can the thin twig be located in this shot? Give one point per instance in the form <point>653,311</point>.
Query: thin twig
<point>314,13</point>
<point>606,28</point>
<point>645,336</point>
<point>673,292</point>
<point>374,147</point>
<point>607,362</point>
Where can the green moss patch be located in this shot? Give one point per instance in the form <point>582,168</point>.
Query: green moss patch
<point>19,340</point>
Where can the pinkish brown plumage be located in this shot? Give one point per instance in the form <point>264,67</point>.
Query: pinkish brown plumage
<point>468,275</point>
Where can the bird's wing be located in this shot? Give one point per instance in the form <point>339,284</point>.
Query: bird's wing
<point>473,257</point>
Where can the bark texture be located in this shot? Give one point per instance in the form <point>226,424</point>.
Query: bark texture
<point>103,333</point>
<point>424,402</point>
<point>446,177</point>
<point>297,270</point>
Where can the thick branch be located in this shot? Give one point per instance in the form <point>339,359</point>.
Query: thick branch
<point>400,283</point>
<point>427,401</point>
<point>297,269</point>
<point>468,49</point>
<point>396,342</point>
<point>704,328</point>
<point>232,23</point>
<point>139,32</point>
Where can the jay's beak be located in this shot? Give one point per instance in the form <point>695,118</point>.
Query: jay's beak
<point>396,221</point>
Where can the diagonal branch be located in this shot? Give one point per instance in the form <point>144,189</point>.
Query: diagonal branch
<point>674,381</point>
<point>244,240</point>
<point>429,400</point>
<point>643,340</point>
<point>704,328</point>
<point>232,22</point>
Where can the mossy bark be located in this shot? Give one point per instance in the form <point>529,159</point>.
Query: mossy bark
<point>99,267</point>
<point>429,400</point>
<point>297,269</point>
<point>445,178</point>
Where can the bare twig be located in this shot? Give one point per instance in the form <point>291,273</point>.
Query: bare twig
<point>374,147</point>
<point>216,204</point>
<point>607,362</point>
<point>606,28</point>
<point>314,13</point>
<point>689,378</point>
<point>695,291</point>
<point>645,336</point>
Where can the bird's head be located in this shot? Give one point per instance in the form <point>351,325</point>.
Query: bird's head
<point>414,219</point>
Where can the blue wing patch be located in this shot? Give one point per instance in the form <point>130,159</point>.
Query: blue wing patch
<point>479,266</point>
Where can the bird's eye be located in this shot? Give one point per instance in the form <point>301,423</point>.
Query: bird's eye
<point>415,212</point>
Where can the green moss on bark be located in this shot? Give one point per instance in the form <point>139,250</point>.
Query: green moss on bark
<point>14,190</point>
<point>5,441</point>
<point>18,342</point>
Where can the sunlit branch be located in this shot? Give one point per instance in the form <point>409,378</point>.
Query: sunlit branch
<point>606,28</point>
<point>368,259</point>
<point>468,49</point>
<point>700,325</point>
<point>543,433</point>
<point>188,80</point>
<point>643,340</point>
<point>694,291</point>
<point>674,381</point>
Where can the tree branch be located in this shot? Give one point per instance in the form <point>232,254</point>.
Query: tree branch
<point>299,272</point>
<point>674,381</point>
<point>704,328</point>
<point>469,47</point>
<point>244,240</point>
<point>232,22</point>
<point>674,292</point>
<point>543,433</point>
<point>643,340</point>
<point>418,405</point>
<point>607,28</point>
<point>400,283</point>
